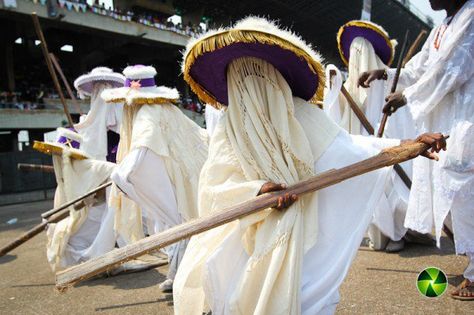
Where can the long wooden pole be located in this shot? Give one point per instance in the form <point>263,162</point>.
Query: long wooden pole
<point>70,203</point>
<point>370,129</point>
<point>394,84</point>
<point>44,48</point>
<point>52,216</point>
<point>34,231</point>
<point>35,167</point>
<point>56,65</point>
<point>414,47</point>
<point>88,269</point>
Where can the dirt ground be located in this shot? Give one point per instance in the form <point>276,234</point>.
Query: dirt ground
<point>378,283</point>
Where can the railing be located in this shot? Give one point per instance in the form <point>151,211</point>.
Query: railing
<point>407,4</point>
<point>81,7</point>
<point>14,181</point>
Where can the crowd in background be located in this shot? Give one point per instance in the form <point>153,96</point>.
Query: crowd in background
<point>117,13</point>
<point>30,97</point>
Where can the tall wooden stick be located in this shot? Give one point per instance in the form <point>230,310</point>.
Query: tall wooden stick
<point>394,84</point>
<point>70,203</point>
<point>35,167</point>
<point>88,269</point>
<point>51,216</point>
<point>44,48</point>
<point>34,231</point>
<point>56,65</point>
<point>370,129</point>
<point>414,47</point>
<point>357,111</point>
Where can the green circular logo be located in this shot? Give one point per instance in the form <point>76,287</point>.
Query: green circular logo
<point>432,282</point>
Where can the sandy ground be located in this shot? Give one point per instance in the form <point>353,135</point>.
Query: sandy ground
<point>378,283</point>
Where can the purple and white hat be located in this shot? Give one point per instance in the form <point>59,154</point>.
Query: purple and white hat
<point>206,59</point>
<point>85,83</point>
<point>375,34</point>
<point>140,88</point>
<point>69,138</point>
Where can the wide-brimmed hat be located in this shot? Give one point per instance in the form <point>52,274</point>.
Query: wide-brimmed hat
<point>140,88</point>
<point>207,57</point>
<point>67,139</point>
<point>375,34</point>
<point>85,83</point>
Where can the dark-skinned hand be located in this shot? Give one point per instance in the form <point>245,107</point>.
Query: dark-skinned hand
<point>394,102</point>
<point>285,201</point>
<point>436,141</point>
<point>368,76</point>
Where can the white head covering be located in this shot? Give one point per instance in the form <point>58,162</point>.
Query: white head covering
<point>269,144</point>
<point>363,58</point>
<point>85,83</point>
<point>100,118</point>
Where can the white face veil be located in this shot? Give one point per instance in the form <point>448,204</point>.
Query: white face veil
<point>94,126</point>
<point>362,58</point>
<point>270,144</point>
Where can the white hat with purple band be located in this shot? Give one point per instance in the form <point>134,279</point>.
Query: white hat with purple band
<point>140,88</point>
<point>85,83</point>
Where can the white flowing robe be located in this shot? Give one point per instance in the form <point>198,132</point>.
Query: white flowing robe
<point>87,232</point>
<point>390,212</point>
<point>207,276</point>
<point>212,116</point>
<point>440,93</point>
<point>160,172</point>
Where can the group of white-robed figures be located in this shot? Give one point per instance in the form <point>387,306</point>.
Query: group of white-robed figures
<point>290,259</point>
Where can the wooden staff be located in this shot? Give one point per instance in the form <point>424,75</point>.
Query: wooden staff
<point>34,231</point>
<point>394,84</point>
<point>88,269</point>
<point>54,216</point>
<point>44,48</point>
<point>414,47</point>
<point>70,203</point>
<point>370,129</point>
<point>357,111</point>
<point>35,167</point>
<point>56,65</point>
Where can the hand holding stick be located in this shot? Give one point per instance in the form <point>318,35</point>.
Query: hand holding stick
<point>394,84</point>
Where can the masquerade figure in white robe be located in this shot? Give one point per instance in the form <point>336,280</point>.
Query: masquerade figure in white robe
<point>356,49</point>
<point>272,262</point>
<point>437,85</point>
<point>161,153</point>
<point>87,232</point>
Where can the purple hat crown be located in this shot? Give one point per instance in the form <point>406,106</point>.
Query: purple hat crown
<point>69,137</point>
<point>375,34</point>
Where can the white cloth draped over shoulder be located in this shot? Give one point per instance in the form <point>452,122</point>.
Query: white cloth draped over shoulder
<point>72,240</point>
<point>390,213</point>
<point>256,265</point>
<point>100,118</point>
<point>179,146</point>
<point>439,89</point>
<point>212,116</point>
